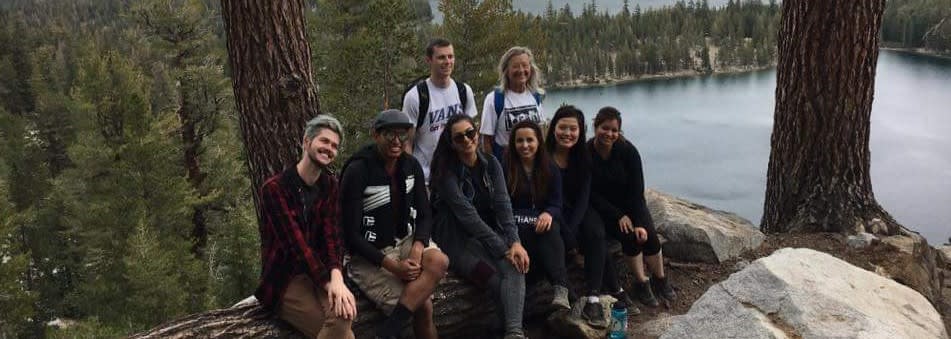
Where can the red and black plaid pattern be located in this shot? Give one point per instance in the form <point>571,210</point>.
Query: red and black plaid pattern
<point>292,243</point>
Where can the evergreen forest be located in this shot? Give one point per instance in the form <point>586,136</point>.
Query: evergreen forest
<point>124,194</point>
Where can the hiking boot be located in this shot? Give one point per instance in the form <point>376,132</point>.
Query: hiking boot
<point>593,314</point>
<point>561,298</point>
<point>624,301</point>
<point>662,288</point>
<point>642,292</point>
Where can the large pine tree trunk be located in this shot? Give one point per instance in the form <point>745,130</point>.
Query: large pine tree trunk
<point>818,176</point>
<point>274,88</point>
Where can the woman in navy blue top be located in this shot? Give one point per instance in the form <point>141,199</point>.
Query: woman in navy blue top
<point>534,187</point>
<point>617,192</point>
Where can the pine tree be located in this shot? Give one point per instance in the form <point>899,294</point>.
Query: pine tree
<point>481,32</point>
<point>15,295</point>
<point>182,33</point>
<point>126,176</point>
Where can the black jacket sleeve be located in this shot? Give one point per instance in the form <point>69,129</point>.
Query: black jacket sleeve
<point>636,203</point>
<point>609,212</point>
<point>351,203</point>
<point>553,202</point>
<point>424,212</point>
<point>572,221</point>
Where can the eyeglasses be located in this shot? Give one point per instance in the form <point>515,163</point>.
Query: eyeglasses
<point>390,135</point>
<point>461,138</point>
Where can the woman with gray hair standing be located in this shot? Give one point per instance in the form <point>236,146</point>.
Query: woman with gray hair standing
<point>518,98</point>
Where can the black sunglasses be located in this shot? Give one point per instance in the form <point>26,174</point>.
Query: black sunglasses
<point>461,138</point>
<point>391,135</point>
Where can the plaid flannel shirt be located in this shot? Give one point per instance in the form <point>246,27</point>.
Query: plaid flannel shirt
<point>297,239</point>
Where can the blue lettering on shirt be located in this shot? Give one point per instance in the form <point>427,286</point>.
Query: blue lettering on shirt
<point>438,117</point>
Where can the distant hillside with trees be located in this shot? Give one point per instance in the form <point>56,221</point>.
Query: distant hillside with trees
<point>917,24</point>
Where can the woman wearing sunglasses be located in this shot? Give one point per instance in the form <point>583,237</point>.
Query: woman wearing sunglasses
<point>534,186</point>
<point>473,220</point>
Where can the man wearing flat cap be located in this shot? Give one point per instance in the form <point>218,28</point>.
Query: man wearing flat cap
<point>387,222</point>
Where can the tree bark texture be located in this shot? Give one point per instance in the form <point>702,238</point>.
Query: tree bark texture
<point>818,176</point>
<point>273,82</point>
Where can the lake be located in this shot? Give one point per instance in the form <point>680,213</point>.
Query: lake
<point>707,138</point>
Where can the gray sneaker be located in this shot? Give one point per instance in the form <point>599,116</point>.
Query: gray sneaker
<point>514,336</point>
<point>561,298</point>
<point>593,314</point>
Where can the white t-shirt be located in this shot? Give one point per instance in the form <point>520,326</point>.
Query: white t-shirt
<point>517,107</point>
<point>443,103</point>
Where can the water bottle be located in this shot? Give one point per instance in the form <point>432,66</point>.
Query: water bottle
<point>618,321</point>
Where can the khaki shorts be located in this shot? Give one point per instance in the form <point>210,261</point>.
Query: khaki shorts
<point>378,284</point>
<point>304,306</point>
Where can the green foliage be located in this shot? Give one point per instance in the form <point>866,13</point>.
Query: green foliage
<point>150,271</point>
<point>685,36</point>
<point>917,23</point>
<point>90,328</point>
<point>365,53</point>
<point>126,169</point>
<point>95,151</point>
<point>15,296</point>
<point>233,256</point>
<point>481,31</point>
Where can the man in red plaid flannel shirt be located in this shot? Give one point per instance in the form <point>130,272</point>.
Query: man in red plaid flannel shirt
<point>301,243</point>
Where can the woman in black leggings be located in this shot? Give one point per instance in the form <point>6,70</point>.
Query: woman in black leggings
<point>534,186</point>
<point>581,227</point>
<point>617,192</point>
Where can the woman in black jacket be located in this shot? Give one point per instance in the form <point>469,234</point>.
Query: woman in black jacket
<point>534,186</point>
<point>473,221</point>
<point>617,193</point>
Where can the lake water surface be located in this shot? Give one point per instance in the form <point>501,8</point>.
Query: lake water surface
<point>707,138</point>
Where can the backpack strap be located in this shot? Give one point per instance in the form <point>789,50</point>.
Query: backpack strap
<point>499,102</point>
<point>463,94</point>
<point>423,90</point>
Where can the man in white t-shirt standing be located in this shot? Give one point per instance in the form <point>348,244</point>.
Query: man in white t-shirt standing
<point>437,98</point>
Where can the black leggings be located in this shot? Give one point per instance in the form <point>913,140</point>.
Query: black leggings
<point>600,273</point>
<point>628,241</point>
<point>546,251</point>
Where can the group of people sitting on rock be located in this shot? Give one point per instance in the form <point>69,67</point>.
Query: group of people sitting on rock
<point>435,193</point>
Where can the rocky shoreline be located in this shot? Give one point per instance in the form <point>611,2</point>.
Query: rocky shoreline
<point>615,81</point>
<point>920,51</point>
